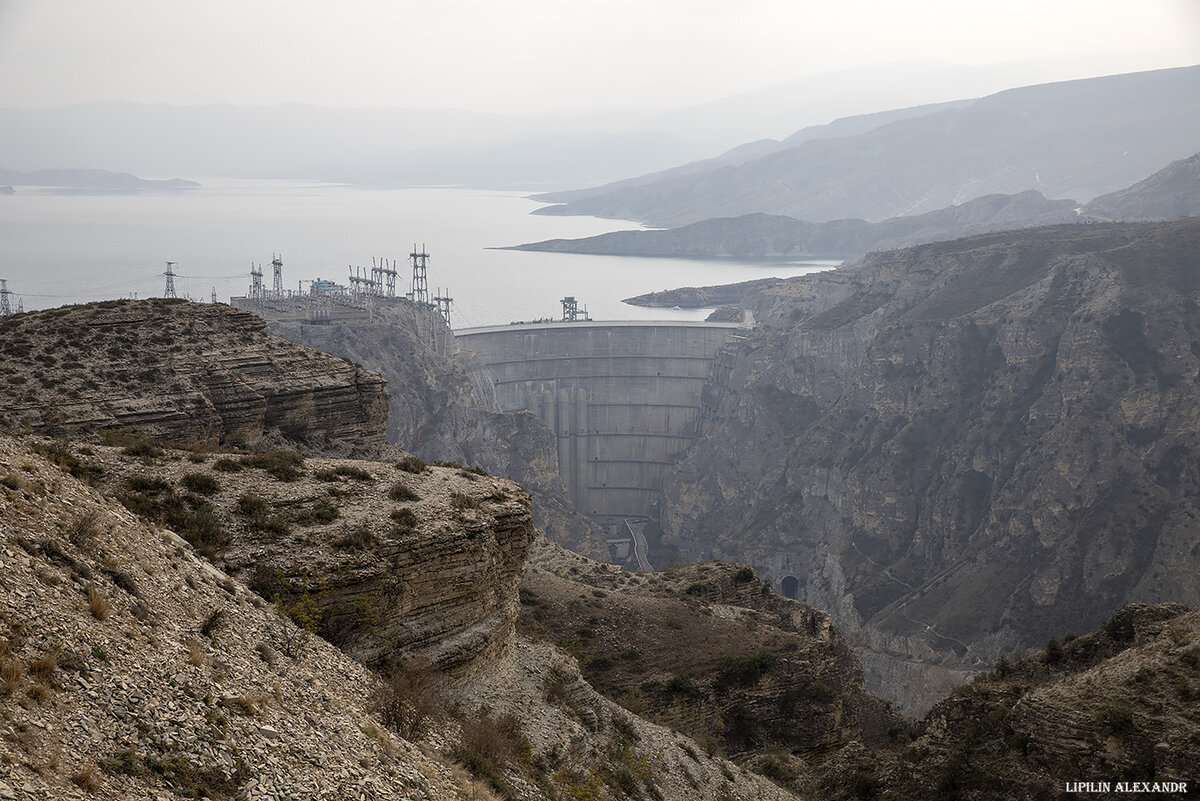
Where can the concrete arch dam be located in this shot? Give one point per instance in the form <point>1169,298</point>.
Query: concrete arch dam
<point>623,398</point>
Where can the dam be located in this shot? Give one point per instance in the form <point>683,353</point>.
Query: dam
<point>623,398</point>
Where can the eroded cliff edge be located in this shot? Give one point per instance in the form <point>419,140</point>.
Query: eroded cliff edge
<point>964,447</point>
<point>443,408</point>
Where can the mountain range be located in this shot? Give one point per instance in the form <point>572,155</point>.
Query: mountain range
<point>1075,139</point>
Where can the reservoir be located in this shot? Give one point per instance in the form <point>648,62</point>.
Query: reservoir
<point>60,247</point>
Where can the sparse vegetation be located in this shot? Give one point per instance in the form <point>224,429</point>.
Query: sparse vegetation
<point>201,483</point>
<point>284,465</point>
<point>461,500</point>
<point>400,492</point>
<point>411,464</point>
<point>404,520</point>
<point>97,602</point>
<point>408,699</point>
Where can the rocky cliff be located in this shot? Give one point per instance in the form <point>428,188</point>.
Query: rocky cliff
<point>131,668</point>
<point>443,409</point>
<point>707,650</point>
<point>1108,714</point>
<point>962,448</point>
<point>205,375</point>
<point>386,563</point>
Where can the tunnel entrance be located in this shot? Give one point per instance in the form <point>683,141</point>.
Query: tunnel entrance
<point>790,587</point>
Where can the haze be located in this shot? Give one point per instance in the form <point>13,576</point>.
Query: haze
<point>546,55</point>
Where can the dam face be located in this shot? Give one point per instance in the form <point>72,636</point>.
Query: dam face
<point>623,398</point>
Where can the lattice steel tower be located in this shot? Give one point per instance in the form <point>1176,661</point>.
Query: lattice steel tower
<point>5,294</point>
<point>420,279</point>
<point>169,292</point>
<point>277,266</point>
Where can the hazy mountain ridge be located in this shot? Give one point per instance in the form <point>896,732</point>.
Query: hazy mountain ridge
<point>90,179</point>
<point>844,126</point>
<point>962,447</point>
<point>1075,139</point>
<point>775,236</point>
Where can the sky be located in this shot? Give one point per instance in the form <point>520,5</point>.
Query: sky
<point>542,56</point>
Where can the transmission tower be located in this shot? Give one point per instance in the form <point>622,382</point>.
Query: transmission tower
<point>169,292</point>
<point>277,266</point>
<point>420,279</point>
<point>5,305</point>
<point>443,304</point>
<point>385,275</point>
<point>256,285</point>
<point>214,296</point>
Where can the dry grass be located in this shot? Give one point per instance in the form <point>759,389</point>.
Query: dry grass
<point>195,652</point>
<point>12,674</point>
<point>88,777</point>
<point>97,602</point>
<point>43,667</point>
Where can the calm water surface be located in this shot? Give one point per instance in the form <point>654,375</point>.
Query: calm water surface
<point>60,248</point>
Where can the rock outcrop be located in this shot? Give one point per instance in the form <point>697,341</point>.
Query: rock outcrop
<point>204,375</point>
<point>388,563</point>
<point>130,668</point>
<point>965,447</point>
<point>707,650</point>
<point>443,408</point>
<point>1109,714</point>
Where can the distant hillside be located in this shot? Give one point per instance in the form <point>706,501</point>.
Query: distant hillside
<point>1076,139</point>
<point>774,236</point>
<point>1172,192</point>
<point>845,126</point>
<point>90,179</point>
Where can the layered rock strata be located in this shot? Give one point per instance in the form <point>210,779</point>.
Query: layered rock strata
<point>964,447</point>
<point>205,375</point>
<point>443,408</point>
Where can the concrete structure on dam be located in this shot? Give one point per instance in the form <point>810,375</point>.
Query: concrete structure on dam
<point>622,397</point>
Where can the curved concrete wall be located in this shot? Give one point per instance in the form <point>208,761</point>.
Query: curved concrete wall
<point>623,398</point>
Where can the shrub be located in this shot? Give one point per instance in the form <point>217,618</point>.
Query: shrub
<point>282,464</point>
<point>252,505</point>
<point>744,575</point>
<point>401,492</point>
<point>1053,653</point>
<point>201,483</point>
<point>744,671</point>
<point>214,623</point>
<point>487,746</point>
<point>405,520</point>
<point>361,536</point>
<point>461,501</point>
<point>134,443</point>
<point>1115,719</point>
<point>227,465</point>
<point>408,700</point>
<point>699,588</point>
<point>411,464</point>
<point>320,512</point>
<point>683,684</point>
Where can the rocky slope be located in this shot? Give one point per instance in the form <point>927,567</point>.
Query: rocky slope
<point>706,650</point>
<point>1170,193</point>
<point>384,561</point>
<point>962,448</point>
<point>1076,139</point>
<point>1115,706</point>
<point>130,668</point>
<point>205,375</point>
<point>443,409</point>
